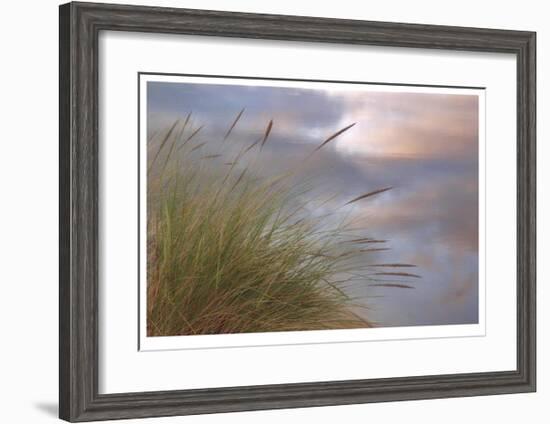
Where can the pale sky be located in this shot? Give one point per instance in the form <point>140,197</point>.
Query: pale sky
<point>425,145</point>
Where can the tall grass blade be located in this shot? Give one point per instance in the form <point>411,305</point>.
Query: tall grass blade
<point>398,274</point>
<point>241,176</point>
<point>233,124</point>
<point>190,138</point>
<point>175,140</point>
<point>162,144</point>
<point>395,285</point>
<point>198,146</point>
<point>252,145</point>
<point>364,196</point>
<point>333,136</point>
<point>266,134</point>
<point>375,249</point>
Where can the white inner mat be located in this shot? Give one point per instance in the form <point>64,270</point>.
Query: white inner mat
<point>123,368</point>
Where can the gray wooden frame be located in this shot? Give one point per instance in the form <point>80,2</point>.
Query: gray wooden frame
<point>80,24</point>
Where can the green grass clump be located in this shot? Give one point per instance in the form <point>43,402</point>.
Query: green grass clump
<point>231,252</point>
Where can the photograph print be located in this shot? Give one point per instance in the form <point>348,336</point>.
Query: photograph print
<point>272,205</point>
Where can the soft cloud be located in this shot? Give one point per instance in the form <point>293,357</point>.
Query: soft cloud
<point>411,124</point>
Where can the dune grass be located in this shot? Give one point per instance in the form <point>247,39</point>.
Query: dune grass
<point>231,252</point>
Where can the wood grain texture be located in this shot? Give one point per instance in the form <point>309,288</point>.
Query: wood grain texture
<point>78,205</point>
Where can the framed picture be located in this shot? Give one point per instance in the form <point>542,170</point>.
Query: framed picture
<point>262,211</point>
